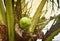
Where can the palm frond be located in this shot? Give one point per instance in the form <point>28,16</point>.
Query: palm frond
<point>10,20</point>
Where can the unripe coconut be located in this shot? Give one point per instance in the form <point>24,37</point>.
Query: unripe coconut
<point>25,23</point>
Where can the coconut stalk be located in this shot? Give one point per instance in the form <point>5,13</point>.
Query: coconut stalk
<point>3,13</point>
<point>20,8</point>
<point>23,7</point>
<point>37,16</point>
<point>10,20</point>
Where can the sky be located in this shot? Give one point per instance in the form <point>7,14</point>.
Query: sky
<point>35,4</point>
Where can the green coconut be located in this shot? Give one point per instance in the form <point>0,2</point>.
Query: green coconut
<point>25,23</point>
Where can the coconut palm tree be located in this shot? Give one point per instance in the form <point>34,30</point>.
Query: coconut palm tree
<point>11,11</point>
